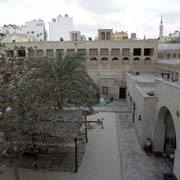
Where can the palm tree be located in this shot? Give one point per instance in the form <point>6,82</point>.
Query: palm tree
<point>73,82</point>
<point>67,78</point>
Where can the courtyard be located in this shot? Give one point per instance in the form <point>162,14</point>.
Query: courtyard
<point>112,152</point>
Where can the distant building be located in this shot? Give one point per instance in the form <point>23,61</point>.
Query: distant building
<point>60,28</point>
<point>175,34</point>
<point>171,38</point>
<point>76,36</point>
<point>11,28</point>
<point>35,28</point>
<point>18,38</point>
<point>119,35</point>
<point>105,34</point>
<point>133,35</point>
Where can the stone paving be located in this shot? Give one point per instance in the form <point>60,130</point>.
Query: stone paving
<point>115,106</point>
<point>101,159</point>
<point>112,153</point>
<point>135,164</point>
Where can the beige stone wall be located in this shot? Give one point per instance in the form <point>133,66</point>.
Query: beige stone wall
<point>119,64</point>
<point>111,79</point>
<point>104,59</point>
<point>168,94</point>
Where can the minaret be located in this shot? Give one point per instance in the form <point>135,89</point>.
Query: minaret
<point>161,28</point>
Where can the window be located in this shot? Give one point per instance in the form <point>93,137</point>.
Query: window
<point>126,52</point>
<point>32,32</point>
<point>105,90</point>
<point>21,53</point>
<point>39,52</point>
<point>174,56</point>
<point>178,56</point>
<point>160,56</point>
<point>93,52</point>
<point>176,76</point>
<point>168,56</point>
<point>102,35</point>
<point>59,52</point>
<point>137,51</point>
<point>70,51</point>
<point>49,52</point>
<point>148,52</point>
<point>115,52</point>
<point>31,52</point>
<point>82,52</point>
<point>10,53</point>
<point>108,36</point>
<point>104,52</point>
<point>37,35</point>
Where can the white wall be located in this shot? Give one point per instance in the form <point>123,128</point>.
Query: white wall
<point>61,28</point>
<point>35,26</point>
<point>38,26</point>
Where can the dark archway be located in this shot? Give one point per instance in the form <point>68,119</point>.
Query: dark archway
<point>164,140</point>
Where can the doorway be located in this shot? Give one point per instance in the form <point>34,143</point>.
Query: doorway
<point>165,136</point>
<point>122,93</point>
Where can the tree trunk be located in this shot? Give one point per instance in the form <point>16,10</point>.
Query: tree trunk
<point>16,172</point>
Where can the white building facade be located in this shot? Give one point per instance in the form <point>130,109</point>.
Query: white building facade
<point>35,29</point>
<point>59,29</point>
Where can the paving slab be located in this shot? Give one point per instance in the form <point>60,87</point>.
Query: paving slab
<point>136,165</point>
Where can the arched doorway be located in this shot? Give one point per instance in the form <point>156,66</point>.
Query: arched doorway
<point>164,140</point>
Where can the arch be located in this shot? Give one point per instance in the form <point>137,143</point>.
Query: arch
<point>174,56</point>
<point>136,59</point>
<point>164,140</point>
<point>168,56</point>
<point>125,59</point>
<point>147,59</point>
<point>93,58</point>
<point>115,58</point>
<point>160,56</point>
<point>179,56</point>
<point>104,58</point>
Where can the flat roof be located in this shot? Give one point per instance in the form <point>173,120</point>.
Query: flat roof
<point>145,77</point>
<point>145,89</point>
<point>169,46</point>
<point>171,62</point>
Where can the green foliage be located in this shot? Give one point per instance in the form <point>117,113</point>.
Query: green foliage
<point>32,88</point>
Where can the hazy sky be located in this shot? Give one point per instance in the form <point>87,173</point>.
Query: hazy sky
<point>140,16</point>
